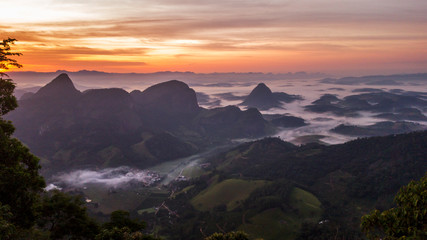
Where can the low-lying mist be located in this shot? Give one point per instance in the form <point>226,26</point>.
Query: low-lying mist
<point>319,124</point>
<point>109,177</point>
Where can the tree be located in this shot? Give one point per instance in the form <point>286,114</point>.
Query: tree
<point>20,182</point>
<point>121,226</point>
<point>408,220</point>
<point>5,52</point>
<point>121,219</point>
<point>239,235</point>
<point>7,100</point>
<point>7,229</point>
<point>64,216</point>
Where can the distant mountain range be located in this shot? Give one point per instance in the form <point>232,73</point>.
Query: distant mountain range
<point>95,78</point>
<point>397,79</point>
<point>378,129</point>
<point>89,79</point>
<point>387,105</point>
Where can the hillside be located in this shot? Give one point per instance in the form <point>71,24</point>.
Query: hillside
<point>294,188</point>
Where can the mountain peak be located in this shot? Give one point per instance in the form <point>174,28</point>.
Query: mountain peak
<point>62,78</point>
<point>261,97</point>
<point>262,86</point>
<point>261,90</point>
<point>172,96</point>
<point>61,86</point>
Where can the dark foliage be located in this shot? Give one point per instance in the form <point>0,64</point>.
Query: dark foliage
<point>408,220</point>
<point>64,216</point>
<point>347,180</point>
<point>20,182</point>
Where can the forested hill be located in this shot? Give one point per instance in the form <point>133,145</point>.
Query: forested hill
<point>294,188</point>
<point>394,160</point>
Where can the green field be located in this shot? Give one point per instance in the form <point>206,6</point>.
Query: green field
<point>154,199</point>
<point>147,210</point>
<point>284,225</point>
<point>192,171</point>
<point>109,200</point>
<point>185,190</point>
<point>229,192</point>
<point>307,204</point>
<point>272,224</point>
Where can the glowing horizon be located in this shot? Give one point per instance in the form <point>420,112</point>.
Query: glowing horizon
<point>340,37</point>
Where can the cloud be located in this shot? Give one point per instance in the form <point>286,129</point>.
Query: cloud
<point>91,51</point>
<point>205,31</point>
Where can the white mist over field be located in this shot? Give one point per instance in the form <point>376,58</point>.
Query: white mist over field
<point>109,177</point>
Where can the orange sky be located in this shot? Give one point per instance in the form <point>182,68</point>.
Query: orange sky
<point>336,36</point>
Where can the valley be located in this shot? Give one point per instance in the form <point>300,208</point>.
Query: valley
<point>191,162</point>
<point>213,120</point>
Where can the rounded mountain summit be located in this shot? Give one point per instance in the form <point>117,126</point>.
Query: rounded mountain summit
<point>173,97</point>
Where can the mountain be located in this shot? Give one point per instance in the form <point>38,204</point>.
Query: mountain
<point>379,129</point>
<point>261,97</point>
<point>26,95</point>
<point>287,98</point>
<point>307,192</point>
<point>60,87</point>
<point>167,105</point>
<point>412,114</point>
<point>173,97</point>
<point>398,79</point>
<point>389,105</point>
<point>231,122</point>
<point>111,127</point>
<point>285,121</point>
<point>120,79</point>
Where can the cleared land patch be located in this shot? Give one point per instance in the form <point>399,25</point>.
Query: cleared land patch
<point>229,192</point>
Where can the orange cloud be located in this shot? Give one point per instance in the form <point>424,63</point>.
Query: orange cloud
<point>343,36</point>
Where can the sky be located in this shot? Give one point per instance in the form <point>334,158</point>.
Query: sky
<point>343,37</point>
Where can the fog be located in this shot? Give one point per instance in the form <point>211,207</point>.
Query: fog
<point>122,177</point>
<point>109,177</point>
<point>310,90</point>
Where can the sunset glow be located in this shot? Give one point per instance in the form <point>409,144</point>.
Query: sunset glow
<point>339,37</point>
